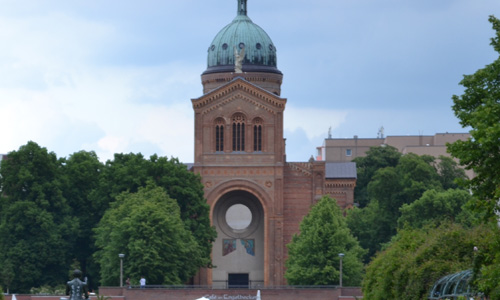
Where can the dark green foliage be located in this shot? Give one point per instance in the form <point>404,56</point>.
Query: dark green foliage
<point>416,258</point>
<point>393,185</point>
<point>129,172</point>
<point>35,221</point>
<point>49,207</point>
<point>147,228</point>
<point>389,189</point>
<point>81,174</point>
<point>376,158</point>
<point>369,227</point>
<point>479,108</point>
<point>450,174</point>
<point>313,254</point>
<point>436,207</point>
<point>487,263</point>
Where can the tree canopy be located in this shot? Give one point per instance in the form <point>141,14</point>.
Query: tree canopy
<point>479,108</point>
<point>146,226</point>
<point>436,207</point>
<point>313,255</point>
<point>36,225</point>
<point>416,258</point>
<point>390,187</point>
<point>49,207</point>
<point>129,172</point>
<point>376,158</point>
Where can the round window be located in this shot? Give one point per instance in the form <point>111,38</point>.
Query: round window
<point>238,217</point>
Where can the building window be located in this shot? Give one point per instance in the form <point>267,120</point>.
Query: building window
<point>348,152</point>
<point>238,132</point>
<point>257,135</point>
<point>219,135</point>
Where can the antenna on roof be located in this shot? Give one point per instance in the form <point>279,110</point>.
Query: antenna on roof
<point>330,132</point>
<point>380,133</point>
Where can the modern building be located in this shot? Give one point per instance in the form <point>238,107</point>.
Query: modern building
<point>345,150</point>
<point>257,198</point>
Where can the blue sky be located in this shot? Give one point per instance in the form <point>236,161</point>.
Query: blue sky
<point>118,76</point>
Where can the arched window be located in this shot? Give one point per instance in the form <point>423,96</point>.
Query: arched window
<point>219,135</point>
<point>238,132</point>
<point>257,134</point>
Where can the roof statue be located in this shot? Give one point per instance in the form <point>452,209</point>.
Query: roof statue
<point>238,60</point>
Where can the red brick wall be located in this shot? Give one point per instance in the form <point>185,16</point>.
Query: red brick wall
<point>236,294</point>
<point>297,201</point>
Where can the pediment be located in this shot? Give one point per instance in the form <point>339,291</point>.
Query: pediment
<point>235,90</point>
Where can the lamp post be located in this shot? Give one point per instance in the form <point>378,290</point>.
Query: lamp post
<point>121,256</point>
<point>341,255</point>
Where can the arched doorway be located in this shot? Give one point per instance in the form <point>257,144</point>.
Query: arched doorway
<point>238,252</point>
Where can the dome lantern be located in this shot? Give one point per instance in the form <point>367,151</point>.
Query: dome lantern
<point>242,7</point>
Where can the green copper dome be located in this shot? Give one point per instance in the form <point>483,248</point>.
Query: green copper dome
<point>242,35</point>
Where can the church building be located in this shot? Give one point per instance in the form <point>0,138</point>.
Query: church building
<point>257,198</point>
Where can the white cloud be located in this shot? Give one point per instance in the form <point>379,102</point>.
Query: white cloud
<point>105,99</point>
<point>313,121</point>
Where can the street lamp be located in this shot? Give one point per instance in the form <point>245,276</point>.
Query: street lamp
<point>341,255</point>
<point>121,256</point>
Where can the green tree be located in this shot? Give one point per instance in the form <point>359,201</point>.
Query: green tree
<point>35,225</point>
<point>388,190</point>
<point>146,227</point>
<point>376,158</point>
<point>487,264</point>
<point>367,225</point>
<point>81,175</point>
<point>450,174</point>
<point>129,172</point>
<point>313,255</point>
<point>6,273</point>
<point>479,108</point>
<point>416,258</point>
<point>436,207</point>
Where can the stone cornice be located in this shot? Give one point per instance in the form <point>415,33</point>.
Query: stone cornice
<point>249,92</point>
<point>340,183</point>
<point>304,168</point>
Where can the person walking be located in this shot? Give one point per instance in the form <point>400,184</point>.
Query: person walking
<point>142,282</point>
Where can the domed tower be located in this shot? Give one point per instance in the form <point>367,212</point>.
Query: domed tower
<point>240,154</point>
<point>242,48</point>
<point>256,198</point>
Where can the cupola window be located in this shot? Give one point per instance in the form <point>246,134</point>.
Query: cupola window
<point>239,132</point>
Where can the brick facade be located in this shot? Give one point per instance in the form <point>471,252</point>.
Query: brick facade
<point>240,155</point>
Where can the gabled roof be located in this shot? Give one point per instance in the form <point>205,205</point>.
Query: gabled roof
<point>268,100</point>
<point>340,170</point>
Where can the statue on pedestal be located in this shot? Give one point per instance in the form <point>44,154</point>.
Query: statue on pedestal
<point>77,289</point>
<point>238,60</point>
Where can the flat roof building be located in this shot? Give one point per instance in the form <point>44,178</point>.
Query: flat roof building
<point>347,149</point>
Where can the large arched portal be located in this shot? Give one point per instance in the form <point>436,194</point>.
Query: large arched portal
<point>238,252</point>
